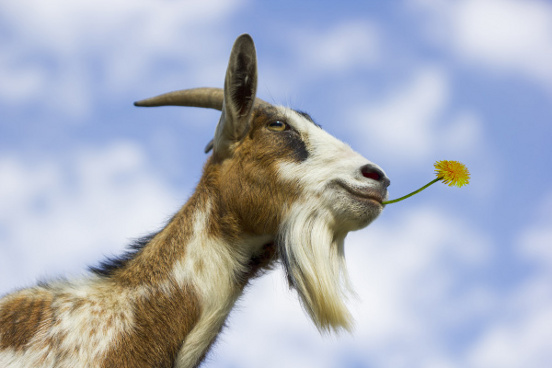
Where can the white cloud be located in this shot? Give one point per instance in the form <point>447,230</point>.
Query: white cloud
<point>523,341</point>
<point>19,82</point>
<point>520,332</point>
<point>59,51</point>
<point>500,35</point>
<point>406,121</point>
<point>69,26</point>
<point>411,124</point>
<point>408,268</point>
<point>59,215</point>
<point>342,47</point>
<point>535,242</point>
<point>537,245</point>
<point>313,55</point>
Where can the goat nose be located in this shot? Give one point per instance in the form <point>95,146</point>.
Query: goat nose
<point>372,172</point>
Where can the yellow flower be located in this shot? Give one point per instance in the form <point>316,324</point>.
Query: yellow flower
<point>449,172</point>
<point>452,173</point>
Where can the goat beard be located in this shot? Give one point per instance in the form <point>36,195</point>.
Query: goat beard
<point>312,253</point>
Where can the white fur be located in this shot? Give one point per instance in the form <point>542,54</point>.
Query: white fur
<point>314,261</point>
<point>214,282</point>
<point>82,311</point>
<point>313,232</point>
<point>329,159</point>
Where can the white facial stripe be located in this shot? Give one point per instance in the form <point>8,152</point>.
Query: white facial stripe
<point>329,158</point>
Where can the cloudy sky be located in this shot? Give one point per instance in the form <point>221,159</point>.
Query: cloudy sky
<point>450,278</point>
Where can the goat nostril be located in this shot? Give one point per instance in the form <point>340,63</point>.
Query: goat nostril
<point>370,172</point>
<point>371,175</point>
<point>374,173</point>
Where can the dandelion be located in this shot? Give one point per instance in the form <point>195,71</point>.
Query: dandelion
<point>452,173</point>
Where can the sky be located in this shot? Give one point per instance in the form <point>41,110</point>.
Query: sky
<point>449,278</point>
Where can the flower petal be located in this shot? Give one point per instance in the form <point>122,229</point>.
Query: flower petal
<point>452,173</point>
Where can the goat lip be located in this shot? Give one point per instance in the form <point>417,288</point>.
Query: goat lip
<point>364,193</point>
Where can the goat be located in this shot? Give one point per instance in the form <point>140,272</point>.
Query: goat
<point>276,188</point>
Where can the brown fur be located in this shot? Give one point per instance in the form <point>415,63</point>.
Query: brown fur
<point>236,209</point>
<point>243,181</point>
<point>162,322</point>
<point>22,316</point>
<point>154,262</point>
<point>164,317</point>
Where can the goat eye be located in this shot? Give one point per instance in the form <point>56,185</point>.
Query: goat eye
<point>277,126</point>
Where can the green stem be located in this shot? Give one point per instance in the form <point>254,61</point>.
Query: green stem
<point>414,192</point>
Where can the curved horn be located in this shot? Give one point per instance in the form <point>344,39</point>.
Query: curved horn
<point>196,97</point>
<point>210,98</point>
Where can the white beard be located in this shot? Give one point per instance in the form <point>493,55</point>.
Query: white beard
<point>312,252</point>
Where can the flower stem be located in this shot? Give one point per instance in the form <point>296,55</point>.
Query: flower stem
<point>414,192</point>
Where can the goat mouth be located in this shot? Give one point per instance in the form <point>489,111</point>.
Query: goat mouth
<point>362,193</point>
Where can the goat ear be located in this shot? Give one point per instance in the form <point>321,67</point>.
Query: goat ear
<point>240,87</point>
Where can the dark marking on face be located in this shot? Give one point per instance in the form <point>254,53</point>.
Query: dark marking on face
<point>289,140</point>
<point>296,144</point>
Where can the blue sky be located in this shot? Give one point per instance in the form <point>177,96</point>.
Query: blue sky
<point>450,278</point>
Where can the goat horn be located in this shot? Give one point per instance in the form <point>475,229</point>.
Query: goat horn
<point>210,98</point>
<point>196,97</point>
